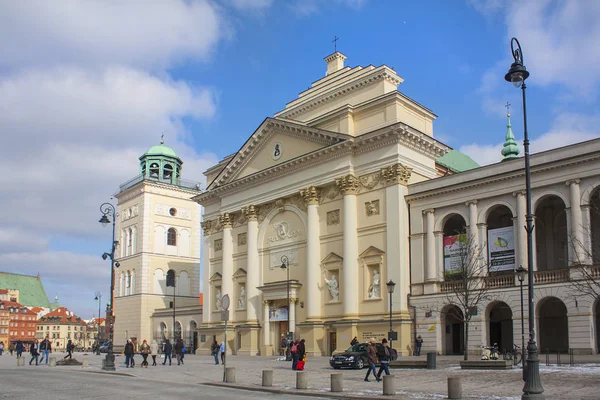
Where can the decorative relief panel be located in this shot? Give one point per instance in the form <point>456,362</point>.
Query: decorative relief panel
<point>164,210</point>
<point>218,244</point>
<point>283,232</point>
<point>333,217</point>
<point>242,239</point>
<point>372,208</point>
<point>129,213</point>
<point>275,257</point>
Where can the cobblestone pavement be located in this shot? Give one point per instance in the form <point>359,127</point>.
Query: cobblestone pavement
<point>560,382</point>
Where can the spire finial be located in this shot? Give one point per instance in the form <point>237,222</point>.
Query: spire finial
<point>507,105</point>
<point>162,139</point>
<point>510,150</point>
<point>335,39</point>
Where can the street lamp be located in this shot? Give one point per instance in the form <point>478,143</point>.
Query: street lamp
<point>99,300</point>
<point>108,210</point>
<point>521,273</point>
<point>390,286</point>
<point>285,264</point>
<point>517,74</point>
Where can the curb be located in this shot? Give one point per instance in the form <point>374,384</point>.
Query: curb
<point>109,373</point>
<point>299,392</point>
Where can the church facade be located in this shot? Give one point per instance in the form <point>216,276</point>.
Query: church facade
<point>307,223</point>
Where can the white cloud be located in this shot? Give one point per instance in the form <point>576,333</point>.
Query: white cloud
<point>304,8</point>
<point>567,129</point>
<point>255,5</point>
<point>138,33</point>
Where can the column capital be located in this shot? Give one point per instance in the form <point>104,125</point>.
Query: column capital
<point>429,211</point>
<point>396,174</point>
<point>481,225</point>
<point>471,202</point>
<point>250,213</point>
<point>266,302</point>
<point>575,181</point>
<point>206,227</point>
<point>519,193</point>
<point>226,221</point>
<point>348,184</point>
<point>293,300</point>
<point>311,195</point>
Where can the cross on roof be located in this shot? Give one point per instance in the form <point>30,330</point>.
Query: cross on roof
<point>507,105</point>
<point>335,39</point>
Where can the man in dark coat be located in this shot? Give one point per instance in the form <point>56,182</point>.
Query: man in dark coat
<point>168,349</point>
<point>179,351</point>
<point>45,349</point>
<point>20,349</point>
<point>372,359</point>
<point>129,354</point>
<point>33,350</point>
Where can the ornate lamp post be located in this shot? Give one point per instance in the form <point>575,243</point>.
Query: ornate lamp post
<point>99,300</point>
<point>390,286</point>
<point>517,74</point>
<point>108,210</point>
<point>285,264</point>
<point>521,273</point>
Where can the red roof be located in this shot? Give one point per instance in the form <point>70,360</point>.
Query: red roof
<point>3,291</point>
<point>21,307</point>
<point>37,309</point>
<point>64,315</point>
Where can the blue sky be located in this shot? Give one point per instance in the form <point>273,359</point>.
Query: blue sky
<point>87,87</point>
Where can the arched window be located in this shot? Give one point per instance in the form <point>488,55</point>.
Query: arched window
<point>454,247</point>
<point>132,289</point>
<point>154,170</point>
<point>167,171</point>
<point>129,241</point>
<point>172,237</point>
<point>128,284</point>
<point>551,234</point>
<point>122,291</point>
<point>595,227</point>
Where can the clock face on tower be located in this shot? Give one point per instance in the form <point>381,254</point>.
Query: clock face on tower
<point>277,151</point>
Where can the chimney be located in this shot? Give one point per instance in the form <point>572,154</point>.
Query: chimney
<point>335,62</point>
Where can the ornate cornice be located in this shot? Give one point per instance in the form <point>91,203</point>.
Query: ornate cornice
<point>348,184</point>
<point>396,174</point>
<point>310,195</point>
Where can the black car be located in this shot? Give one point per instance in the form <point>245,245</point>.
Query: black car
<point>104,347</point>
<point>356,356</point>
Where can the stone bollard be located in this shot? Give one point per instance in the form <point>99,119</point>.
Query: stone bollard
<point>301,380</point>
<point>267,377</point>
<point>431,360</point>
<point>389,389</point>
<point>53,361</point>
<point>20,362</point>
<point>230,375</point>
<point>85,364</point>
<point>336,383</point>
<point>454,388</point>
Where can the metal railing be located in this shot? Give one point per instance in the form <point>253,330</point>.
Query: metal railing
<point>178,182</point>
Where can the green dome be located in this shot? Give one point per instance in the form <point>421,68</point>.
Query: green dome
<point>161,150</point>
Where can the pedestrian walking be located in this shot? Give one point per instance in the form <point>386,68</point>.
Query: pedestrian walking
<point>168,349</point>
<point>301,350</point>
<point>1,348</point>
<point>183,350</point>
<point>295,355</point>
<point>34,351</point>
<point>128,351</point>
<point>11,348</point>
<point>20,349</point>
<point>372,360</point>
<point>70,347</point>
<point>418,344</point>
<point>45,348</point>
<point>384,359</point>
<point>154,352</point>
<point>223,349</point>
<point>214,351</point>
<point>178,351</point>
<point>145,350</point>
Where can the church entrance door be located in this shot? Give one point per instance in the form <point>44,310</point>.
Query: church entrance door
<point>283,329</point>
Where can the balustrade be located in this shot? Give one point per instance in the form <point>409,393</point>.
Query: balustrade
<point>500,281</point>
<point>551,276</point>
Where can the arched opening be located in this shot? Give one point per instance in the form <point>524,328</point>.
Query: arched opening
<point>167,172</point>
<point>455,229</point>
<point>171,237</point>
<point>194,336</point>
<point>159,282</point>
<point>553,325</point>
<point>501,326</point>
<point>595,226</point>
<point>453,334</point>
<point>128,284</point>
<point>551,234</point>
<point>597,325</point>
<point>178,331</point>
<point>154,170</point>
<point>129,241</point>
<point>163,331</point>
<point>500,241</point>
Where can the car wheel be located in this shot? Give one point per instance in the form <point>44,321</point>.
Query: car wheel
<point>360,364</point>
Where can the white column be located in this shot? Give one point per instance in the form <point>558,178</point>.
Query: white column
<point>576,240</point>
<point>227,278</point>
<point>313,254</point>
<point>439,259</point>
<point>587,230</point>
<point>206,248</point>
<point>482,244</point>
<point>521,232</point>
<point>350,279</point>
<point>292,315</point>
<point>266,325</point>
<point>472,204</point>
<point>430,258</point>
<point>253,267</point>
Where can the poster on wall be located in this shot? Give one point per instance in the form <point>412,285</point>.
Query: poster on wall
<point>278,314</point>
<point>454,248</point>
<point>501,249</point>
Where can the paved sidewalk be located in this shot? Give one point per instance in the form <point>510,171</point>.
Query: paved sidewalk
<point>564,382</point>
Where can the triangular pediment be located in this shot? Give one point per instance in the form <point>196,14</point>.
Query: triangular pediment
<point>332,258</point>
<point>216,277</point>
<point>240,273</point>
<point>372,251</point>
<point>275,142</point>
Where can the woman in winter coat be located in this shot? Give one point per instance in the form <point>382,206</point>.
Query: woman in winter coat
<point>145,350</point>
<point>154,352</point>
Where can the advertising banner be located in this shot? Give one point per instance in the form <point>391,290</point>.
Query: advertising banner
<point>454,248</point>
<point>501,249</point>
<point>278,314</point>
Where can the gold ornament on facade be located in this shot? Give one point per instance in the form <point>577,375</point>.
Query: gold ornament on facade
<point>348,184</point>
<point>372,208</point>
<point>225,220</point>
<point>396,174</point>
<point>250,213</point>
<point>310,195</point>
<point>206,227</point>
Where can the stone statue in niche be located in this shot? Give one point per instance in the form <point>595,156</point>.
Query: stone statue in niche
<point>375,288</point>
<point>242,299</point>
<point>332,285</point>
<point>218,303</point>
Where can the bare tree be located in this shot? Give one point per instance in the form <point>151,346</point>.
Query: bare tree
<point>585,281</point>
<point>464,285</point>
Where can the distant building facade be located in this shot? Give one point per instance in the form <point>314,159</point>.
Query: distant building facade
<point>22,324</point>
<point>60,326</point>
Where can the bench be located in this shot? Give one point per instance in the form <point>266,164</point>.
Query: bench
<point>487,364</point>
